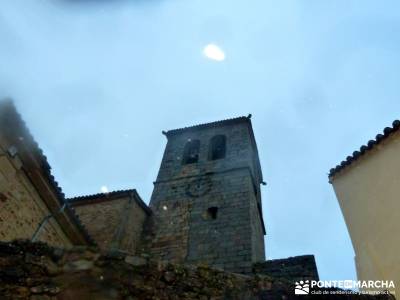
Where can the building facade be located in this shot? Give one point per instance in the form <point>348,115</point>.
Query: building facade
<point>367,186</point>
<point>115,220</point>
<point>207,199</point>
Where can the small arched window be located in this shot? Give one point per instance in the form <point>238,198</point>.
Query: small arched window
<point>217,147</point>
<point>191,152</point>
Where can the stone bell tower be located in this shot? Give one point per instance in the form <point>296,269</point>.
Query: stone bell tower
<point>206,201</point>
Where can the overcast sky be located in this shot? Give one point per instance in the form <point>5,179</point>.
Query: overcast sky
<point>97,82</point>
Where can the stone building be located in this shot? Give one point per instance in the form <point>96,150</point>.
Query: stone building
<point>207,200</point>
<point>367,185</point>
<point>205,208</point>
<point>32,204</point>
<point>115,220</point>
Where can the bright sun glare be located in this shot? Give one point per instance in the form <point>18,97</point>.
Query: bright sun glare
<point>214,52</point>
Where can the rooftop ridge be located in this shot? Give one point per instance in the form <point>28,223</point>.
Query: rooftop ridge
<point>93,198</point>
<point>208,125</point>
<point>365,148</point>
<point>100,195</point>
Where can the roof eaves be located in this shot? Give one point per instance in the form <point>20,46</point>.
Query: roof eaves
<point>207,125</point>
<point>102,196</point>
<point>114,195</point>
<point>388,131</point>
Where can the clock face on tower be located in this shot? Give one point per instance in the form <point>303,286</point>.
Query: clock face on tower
<point>199,187</point>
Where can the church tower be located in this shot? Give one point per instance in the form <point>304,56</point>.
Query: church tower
<point>206,201</point>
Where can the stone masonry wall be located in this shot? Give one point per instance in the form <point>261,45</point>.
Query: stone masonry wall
<point>168,227</point>
<point>37,272</point>
<point>239,152</point>
<point>292,268</point>
<point>226,241</point>
<point>257,234</point>
<point>185,229</point>
<point>21,207</point>
<point>186,232</point>
<point>101,219</point>
<point>115,223</point>
<point>133,228</point>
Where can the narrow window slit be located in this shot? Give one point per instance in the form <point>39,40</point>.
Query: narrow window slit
<point>212,212</point>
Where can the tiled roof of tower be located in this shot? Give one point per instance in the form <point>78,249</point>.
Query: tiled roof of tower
<point>94,198</point>
<point>12,116</point>
<point>208,125</point>
<point>388,131</point>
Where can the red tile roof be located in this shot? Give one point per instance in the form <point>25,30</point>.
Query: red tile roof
<point>388,131</point>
